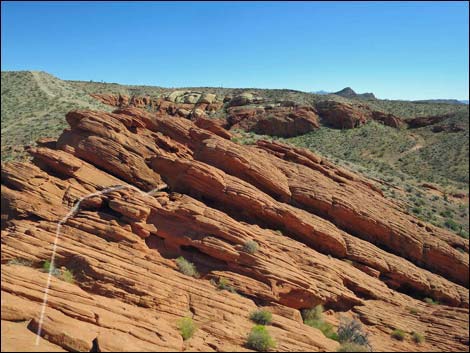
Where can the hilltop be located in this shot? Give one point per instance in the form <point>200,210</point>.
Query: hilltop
<point>33,105</point>
<point>348,92</point>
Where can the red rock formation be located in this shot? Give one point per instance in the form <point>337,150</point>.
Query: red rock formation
<point>210,196</point>
<point>347,116</point>
<point>159,105</point>
<point>115,100</point>
<point>276,121</point>
<point>422,121</point>
<point>388,119</point>
<point>340,115</point>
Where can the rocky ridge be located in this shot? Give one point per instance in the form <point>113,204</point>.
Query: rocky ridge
<point>325,235</point>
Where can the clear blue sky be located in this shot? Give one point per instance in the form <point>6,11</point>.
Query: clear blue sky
<point>396,50</point>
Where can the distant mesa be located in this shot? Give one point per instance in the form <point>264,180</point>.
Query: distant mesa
<point>348,92</point>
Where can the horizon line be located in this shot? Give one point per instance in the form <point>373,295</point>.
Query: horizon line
<point>462,100</point>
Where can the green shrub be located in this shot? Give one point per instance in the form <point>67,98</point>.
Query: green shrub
<point>259,339</point>
<point>451,224</point>
<point>417,337</point>
<point>261,317</point>
<point>224,284</point>
<point>431,301</point>
<point>20,262</point>
<point>315,313</point>
<point>463,233</point>
<point>352,347</point>
<point>187,327</point>
<point>350,331</point>
<point>67,276</point>
<point>398,334</point>
<point>186,267</point>
<point>414,311</point>
<point>63,274</point>
<point>250,247</point>
<point>314,318</point>
<point>48,267</point>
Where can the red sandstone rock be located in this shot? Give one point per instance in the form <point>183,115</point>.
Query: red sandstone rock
<point>210,196</point>
<point>340,115</point>
<point>388,119</point>
<point>422,121</point>
<point>277,121</point>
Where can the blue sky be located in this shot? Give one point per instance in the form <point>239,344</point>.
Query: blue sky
<point>397,50</point>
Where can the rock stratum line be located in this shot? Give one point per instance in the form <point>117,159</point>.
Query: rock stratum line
<point>326,236</point>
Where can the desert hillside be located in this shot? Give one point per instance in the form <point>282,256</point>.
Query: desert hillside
<point>416,151</point>
<point>181,238</point>
<point>216,219</point>
<point>33,105</point>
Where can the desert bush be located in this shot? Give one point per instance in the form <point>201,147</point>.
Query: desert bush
<point>451,224</point>
<point>350,331</point>
<point>224,284</point>
<point>261,317</point>
<point>352,347</point>
<point>186,267</point>
<point>431,301</point>
<point>312,314</point>
<point>67,276</point>
<point>49,267</point>
<point>417,337</point>
<point>414,311</point>
<point>20,262</point>
<point>314,318</point>
<point>398,334</point>
<point>187,327</point>
<point>259,339</point>
<point>250,247</point>
<point>64,274</point>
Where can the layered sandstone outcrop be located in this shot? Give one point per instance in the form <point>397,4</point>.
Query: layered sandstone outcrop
<point>326,236</point>
<point>273,120</point>
<point>347,116</point>
<point>422,121</point>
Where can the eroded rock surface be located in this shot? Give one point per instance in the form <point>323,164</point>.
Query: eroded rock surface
<point>274,120</point>
<point>325,236</point>
<point>346,116</point>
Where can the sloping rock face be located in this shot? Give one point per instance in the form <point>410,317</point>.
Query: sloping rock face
<point>340,115</point>
<point>180,103</point>
<point>345,116</point>
<point>422,121</point>
<point>274,120</point>
<point>388,119</point>
<point>155,187</point>
<point>285,120</point>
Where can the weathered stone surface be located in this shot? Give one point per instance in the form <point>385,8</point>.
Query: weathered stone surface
<point>274,121</point>
<point>244,99</point>
<point>388,119</point>
<point>325,236</point>
<point>346,116</point>
<point>422,121</point>
<point>340,115</point>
